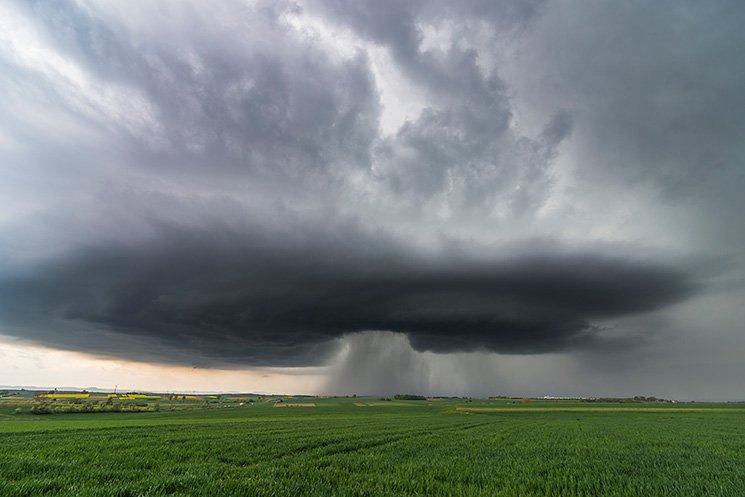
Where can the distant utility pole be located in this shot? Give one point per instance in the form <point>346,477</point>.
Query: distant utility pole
<point>115,387</point>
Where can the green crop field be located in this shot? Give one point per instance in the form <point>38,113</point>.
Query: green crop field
<point>335,447</point>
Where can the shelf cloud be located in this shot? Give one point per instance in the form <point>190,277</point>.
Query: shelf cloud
<point>281,297</point>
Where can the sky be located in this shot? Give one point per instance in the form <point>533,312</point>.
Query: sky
<point>335,196</point>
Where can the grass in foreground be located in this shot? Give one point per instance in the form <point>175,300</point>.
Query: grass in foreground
<point>337,448</point>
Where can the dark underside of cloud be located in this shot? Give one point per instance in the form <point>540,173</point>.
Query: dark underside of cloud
<point>281,299</point>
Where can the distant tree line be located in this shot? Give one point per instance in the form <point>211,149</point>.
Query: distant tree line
<point>409,396</point>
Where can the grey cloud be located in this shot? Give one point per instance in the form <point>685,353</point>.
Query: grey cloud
<point>461,151</point>
<point>398,24</point>
<point>280,296</point>
<point>468,156</point>
<point>270,104</point>
<point>657,89</point>
<point>256,99</point>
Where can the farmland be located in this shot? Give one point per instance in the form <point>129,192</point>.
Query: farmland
<point>364,446</point>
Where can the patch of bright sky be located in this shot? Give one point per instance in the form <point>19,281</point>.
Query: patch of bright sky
<point>104,103</point>
<point>399,98</point>
<point>24,364</point>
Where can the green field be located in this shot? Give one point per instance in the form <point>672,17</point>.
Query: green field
<point>396,448</point>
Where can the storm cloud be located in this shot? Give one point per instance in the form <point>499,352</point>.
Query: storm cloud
<point>256,184</point>
<point>281,297</point>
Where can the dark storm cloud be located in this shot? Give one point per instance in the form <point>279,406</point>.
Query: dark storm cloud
<point>177,178</point>
<point>280,297</point>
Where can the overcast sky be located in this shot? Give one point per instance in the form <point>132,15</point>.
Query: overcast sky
<point>334,196</point>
